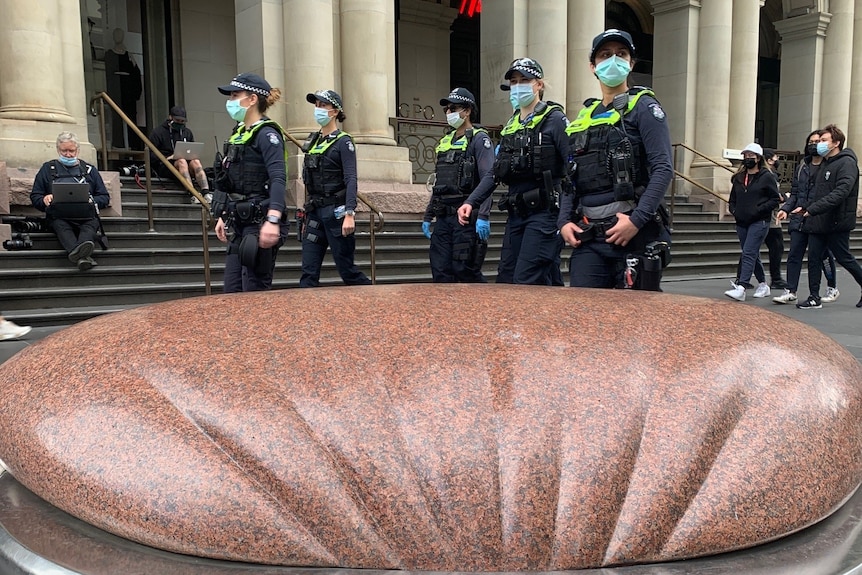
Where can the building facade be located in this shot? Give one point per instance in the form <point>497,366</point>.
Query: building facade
<point>727,72</point>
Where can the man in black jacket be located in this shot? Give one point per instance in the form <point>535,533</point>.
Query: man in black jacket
<point>830,215</point>
<point>164,138</point>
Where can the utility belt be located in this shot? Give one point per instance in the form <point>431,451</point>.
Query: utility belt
<point>445,206</point>
<point>525,203</point>
<point>595,229</point>
<point>247,211</point>
<point>315,202</point>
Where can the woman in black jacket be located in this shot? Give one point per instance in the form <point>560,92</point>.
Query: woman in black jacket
<point>800,192</point>
<point>753,196</point>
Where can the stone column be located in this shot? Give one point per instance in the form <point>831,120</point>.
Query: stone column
<point>674,77</point>
<point>854,123</point>
<point>586,19</point>
<point>835,87</point>
<point>310,48</point>
<point>260,30</point>
<point>546,38</point>
<point>713,94</point>
<point>29,43</point>
<point>368,78</point>
<point>503,37</point>
<point>743,72</point>
<point>42,91</point>
<point>799,95</point>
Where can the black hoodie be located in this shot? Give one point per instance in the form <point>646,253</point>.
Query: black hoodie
<point>832,202</point>
<point>753,199</point>
<point>164,137</point>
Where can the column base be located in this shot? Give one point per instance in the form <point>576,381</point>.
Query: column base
<point>380,163</point>
<point>29,143</point>
<point>38,114</point>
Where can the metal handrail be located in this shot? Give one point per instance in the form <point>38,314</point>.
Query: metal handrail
<point>374,226</point>
<point>206,219</point>
<point>691,181</point>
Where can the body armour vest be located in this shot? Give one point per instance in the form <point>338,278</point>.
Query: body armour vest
<point>457,174</point>
<point>594,143</point>
<point>522,154</point>
<point>246,170</point>
<point>325,178</point>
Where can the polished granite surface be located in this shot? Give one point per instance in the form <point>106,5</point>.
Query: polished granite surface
<point>450,428</point>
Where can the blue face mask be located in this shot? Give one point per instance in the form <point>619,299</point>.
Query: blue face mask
<point>68,161</point>
<point>613,71</point>
<point>235,109</point>
<point>321,116</point>
<point>521,95</point>
<point>822,148</point>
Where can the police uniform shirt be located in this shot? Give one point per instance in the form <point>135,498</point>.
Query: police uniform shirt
<point>44,181</point>
<point>269,142</point>
<point>646,126</point>
<point>553,128</point>
<point>343,153</point>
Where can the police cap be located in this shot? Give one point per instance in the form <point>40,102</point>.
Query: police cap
<point>528,67</point>
<point>247,82</point>
<point>326,96</point>
<point>460,97</point>
<point>612,35</point>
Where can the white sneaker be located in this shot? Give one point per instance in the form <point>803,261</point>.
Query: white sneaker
<point>762,290</point>
<point>787,297</point>
<point>737,292</point>
<point>9,330</point>
<point>831,295</point>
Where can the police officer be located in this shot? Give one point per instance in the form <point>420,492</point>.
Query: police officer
<point>531,160</point>
<point>329,174</point>
<point>250,187</point>
<point>620,171</point>
<point>465,160</point>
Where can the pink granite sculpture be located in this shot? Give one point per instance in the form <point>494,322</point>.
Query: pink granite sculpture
<point>469,428</point>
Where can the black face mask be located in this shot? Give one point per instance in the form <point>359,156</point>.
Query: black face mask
<point>811,150</point>
<point>749,163</point>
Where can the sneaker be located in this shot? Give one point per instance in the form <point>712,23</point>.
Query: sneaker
<point>811,303</point>
<point>86,263</point>
<point>9,330</point>
<point>737,292</point>
<point>82,250</point>
<point>787,297</point>
<point>778,284</point>
<point>831,295</point>
<point>859,303</point>
<point>208,197</point>
<point>762,290</point>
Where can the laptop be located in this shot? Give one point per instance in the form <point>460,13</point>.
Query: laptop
<point>188,150</point>
<point>71,201</point>
<point>71,192</point>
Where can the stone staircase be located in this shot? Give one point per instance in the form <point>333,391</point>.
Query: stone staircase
<point>41,287</point>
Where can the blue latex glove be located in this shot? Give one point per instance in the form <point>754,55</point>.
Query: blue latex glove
<point>483,228</point>
<point>426,229</point>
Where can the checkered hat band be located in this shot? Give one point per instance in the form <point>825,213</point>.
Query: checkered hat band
<point>248,88</point>
<point>326,98</point>
<point>528,69</point>
<point>459,97</point>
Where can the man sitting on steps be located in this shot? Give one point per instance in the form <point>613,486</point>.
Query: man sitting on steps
<point>77,232</point>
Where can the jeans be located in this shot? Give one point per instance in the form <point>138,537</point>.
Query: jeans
<point>750,239</point>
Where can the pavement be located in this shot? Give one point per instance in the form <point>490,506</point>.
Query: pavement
<point>841,320</point>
